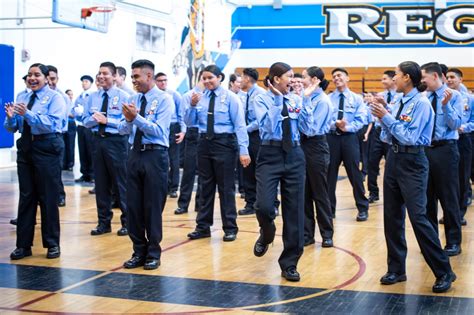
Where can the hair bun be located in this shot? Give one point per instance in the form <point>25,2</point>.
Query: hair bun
<point>324,84</point>
<point>265,81</point>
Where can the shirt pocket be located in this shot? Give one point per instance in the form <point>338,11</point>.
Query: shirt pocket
<point>221,112</point>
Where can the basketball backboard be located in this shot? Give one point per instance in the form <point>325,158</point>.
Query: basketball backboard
<point>87,14</point>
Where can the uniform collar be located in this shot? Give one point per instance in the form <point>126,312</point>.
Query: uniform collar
<point>439,92</point>
<point>346,93</point>
<point>42,91</point>
<point>410,94</point>
<point>317,92</point>
<point>217,91</point>
<point>109,91</point>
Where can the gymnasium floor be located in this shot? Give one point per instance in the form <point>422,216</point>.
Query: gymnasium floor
<point>210,276</point>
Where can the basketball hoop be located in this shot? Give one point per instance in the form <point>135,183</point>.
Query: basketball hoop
<point>87,12</point>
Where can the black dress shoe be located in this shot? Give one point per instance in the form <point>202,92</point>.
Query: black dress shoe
<point>443,283</point>
<point>122,232</point>
<point>62,202</point>
<point>463,222</point>
<point>452,250</point>
<point>180,211</point>
<point>151,264</point>
<point>327,242</point>
<point>309,241</point>
<point>441,221</point>
<point>392,278</point>
<point>291,274</point>
<point>362,216</point>
<point>13,221</point>
<point>20,253</point>
<point>173,194</point>
<point>246,211</point>
<point>469,201</point>
<point>229,237</point>
<point>53,252</point>
<point>99,230</point>
<point>373,198</point>
<point>260,248</point>
<point>199,234</point>
<point>92,191</point>
<point>134,262</point>
<point>115,205</point>
<point>80,179</point>
<point>242,195</point>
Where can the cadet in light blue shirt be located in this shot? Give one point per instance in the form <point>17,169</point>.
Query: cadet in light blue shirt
<point>443,156</point>
<point>409,129</point>
<point>39,117</point>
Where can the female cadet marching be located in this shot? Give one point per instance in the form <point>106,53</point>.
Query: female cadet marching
<point>222,130</point>
<point>39,172</point>
<point>406,179</point>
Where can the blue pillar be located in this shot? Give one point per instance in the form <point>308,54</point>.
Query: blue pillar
<point>6,90</point>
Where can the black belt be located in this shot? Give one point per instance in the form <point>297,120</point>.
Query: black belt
<point>45,136</point>
<point>315,137</point>
<point>464,135</point>
<point>397,148</point>
<point>217,135</point>
<point>278,143</point>
<point>338,133</point>
<point>149,147</point>
<point>438,143</point>
<point>106,134</point>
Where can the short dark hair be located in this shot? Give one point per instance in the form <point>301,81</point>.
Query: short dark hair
<point>455,70</point>
<point>339,69</point>
<point>24,77</point>
<point>121,71</point>
<point>444,68</point>
<point>44,69</point>
<point>215,70</point>
<point>143,63</point>
<point>68,90</point>
<point>109,65</point>
<point>233,77</point>
<point>298,75</point>
<point>414,72</point>
<point>390,73</point>
<point>52,69</point>
<point>160,74</point>
<point>251,73</point>
<point>432,67</point>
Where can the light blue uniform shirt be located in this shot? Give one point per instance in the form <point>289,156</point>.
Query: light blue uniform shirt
<point>79,106</point>
<point>228,116</point>
<point>47,115</point>
<point>463,88</point>
<point>186,103</point>
<point>319,114</point>
<point>178,113</point>
<point>395,98</point>
<point>67,108</point>
<point>156,123</point>
<point>268,107</point>
<point>468,112</point>
<point>252,93</point>
<point>354,110</point>
<point>415,125</point>
<point>448,118</point>
<point>114,109</point>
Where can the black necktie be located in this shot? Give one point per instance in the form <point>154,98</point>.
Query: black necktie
<point>137,140</point>
<point>26,134</point>
<point>210,115</point>
<point>103,109</point>
<point>286,128</point>
<point>397,117</point>
<point>247,109</point>
<point>434,103</point>
<point>389,98</point>
<point>340,113</point>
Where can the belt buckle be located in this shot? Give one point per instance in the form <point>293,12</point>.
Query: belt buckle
<point>395,148</point>
<point>143,147</point>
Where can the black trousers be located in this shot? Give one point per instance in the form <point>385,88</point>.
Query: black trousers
<point>378,149</point>
<point>39,175</point>
<point>404,187</point>
<point>250,181</point>
<point>274,167</point>
<point>110,162</point>
<point>443,185</point>
<point>146,197</point>
<point>363,149</point>
<point>69,145</point>
<point>85,142</point>
<point>173,176</point>
<point>189,170</point>
<point>216,162</point>
<point>62,192</point>
<point>316,151</point>
<point>345,148</point>
<point>465,157</point>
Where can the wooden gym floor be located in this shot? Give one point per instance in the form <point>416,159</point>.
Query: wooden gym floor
<point>210,276</point>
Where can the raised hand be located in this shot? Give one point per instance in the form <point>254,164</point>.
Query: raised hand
<point>130,111</point>
<point>20,109</point>
<point>9,109</point>
<point>273,89</point>
<point>310,89</point>
<point>195,98</point>
<point>448,93</point>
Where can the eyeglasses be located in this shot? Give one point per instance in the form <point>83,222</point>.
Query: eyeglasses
<point>162,80</point>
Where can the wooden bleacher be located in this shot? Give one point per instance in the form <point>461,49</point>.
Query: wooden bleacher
<point>365,79</point>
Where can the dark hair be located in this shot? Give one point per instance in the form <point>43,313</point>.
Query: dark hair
<point>318,73</point>
<point>298,75</point>
<point>390,73</point>
<point>339,69</point>
<point>52,69</point>
<point>68,90</point>
<point>143,63</point>
<point>109,65</point>
<point>44,69</point>
<point>24,77</point>
<point>251,73</point>
<point>276,70</point>
<point>121,71</point>
<point>432,67</point>
<point>215,70</point>
<point>200,74</point>
<point>444,68</point>
<point>87,77</point>
<point>455,70</point>
<point>160,74</point>
<point>414,71</point>
<point>233,77</point>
